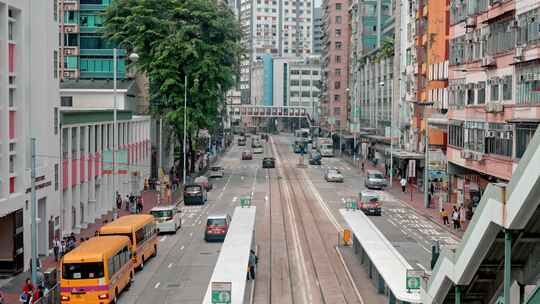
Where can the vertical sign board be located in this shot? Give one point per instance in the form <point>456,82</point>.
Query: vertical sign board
<point>221,292</point>
<point>411,168</point>
<point>414,279</point>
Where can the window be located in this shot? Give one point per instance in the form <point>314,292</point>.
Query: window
<point>305,83</point>
<point>295,82</point>
<point>494,90</point>
<point>76,271</point>
<point>56,177</point>
<point>295,72</point>
<point>305,72</point>
<point>305,94</point>
<point>55,120</point>
<point>337,111</point>
<point>338,45</point>
<point>337,97</point>
<point>338,19</point>
<point>338,72</point>
<point>524,134</point>
<point>338,59</point>
<point>481,93</point>
<point>338,32</point>
<point>55,9</point>
<point>66,101</point>
<point>337,85</point>
<point>474,135</point>
<point>11,98</point>
<point>470,94</point>
<point>455,134</point>
<point>55,63</point>
<point>338,6</point>
<point>507,88</point>
<point>314,72</point>
<point>498,141</point>
<point>10,31</point>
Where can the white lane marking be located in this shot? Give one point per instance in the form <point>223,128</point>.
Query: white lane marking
<point>266,197</point>
<point>220,196</point>
<point>182,248</point>
<point>163,238</point>
<point>170,265</point>
<point>191,234</point>
<point>157,285</point>
<point>234,199</point>
<point>199,222</point>
<point>358,295</point>
<point>242,177</point>
<point>421,266</point>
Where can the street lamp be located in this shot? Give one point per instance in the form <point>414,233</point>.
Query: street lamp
<point>133,57</point>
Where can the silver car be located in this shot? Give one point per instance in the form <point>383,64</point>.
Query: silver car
<point>216,171</point>
<point>333,175</point>
<point>375,180</point>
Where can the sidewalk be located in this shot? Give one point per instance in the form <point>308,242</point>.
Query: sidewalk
<point>417,201</point>
<point>12,286</point>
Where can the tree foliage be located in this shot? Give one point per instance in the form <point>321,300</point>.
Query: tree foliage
<point>174,38</point>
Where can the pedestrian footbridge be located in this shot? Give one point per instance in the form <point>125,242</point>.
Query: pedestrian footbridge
<point>230,272</point>
<point>270,111</point>
<point>500,251</point>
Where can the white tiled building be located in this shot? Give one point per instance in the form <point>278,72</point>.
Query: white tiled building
<point>29,104</point>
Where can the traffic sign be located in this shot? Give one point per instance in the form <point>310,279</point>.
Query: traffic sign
<point>350,203</point>
<point>221,292</point>
<point>414,279</point>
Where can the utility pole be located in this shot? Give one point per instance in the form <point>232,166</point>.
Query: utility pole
<point>115,76</point>
<point>185,130</point>
<point>160,143</point>
<point>33,211</point>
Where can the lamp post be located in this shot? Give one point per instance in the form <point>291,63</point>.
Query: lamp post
<point>185,131</point>
<point>132,57</point>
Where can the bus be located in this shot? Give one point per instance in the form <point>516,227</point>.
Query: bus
<point>142,232</point>
<point>302,135</point>
<point>96,271</point>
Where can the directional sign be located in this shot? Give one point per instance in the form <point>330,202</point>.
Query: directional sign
<point>221,292</point>
<point>414,279</point>
<point>245,201</point>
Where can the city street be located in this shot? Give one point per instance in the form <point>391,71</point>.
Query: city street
<point>296,233</point>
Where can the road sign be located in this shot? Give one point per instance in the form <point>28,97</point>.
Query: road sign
<point>221,292</point>
<point>411,169</point>
<point>414,279</point>
<point>350,203</point>
<point>245,201</point>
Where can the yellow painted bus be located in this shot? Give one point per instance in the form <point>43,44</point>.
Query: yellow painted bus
<point>96,271</point>
<point>142,232</point>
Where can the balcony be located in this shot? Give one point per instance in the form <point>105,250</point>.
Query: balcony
<point>71,74</point>
<point>71,51</point>
<point>71,28</point>
<point>93,7</point>
<point>71,5</point>
<point>102,52</point>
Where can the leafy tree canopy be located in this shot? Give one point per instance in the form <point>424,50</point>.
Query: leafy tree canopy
<point>174,38</point>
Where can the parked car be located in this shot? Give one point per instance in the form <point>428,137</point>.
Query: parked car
<point>333,175</point>
<point>370,203</point>
<point>375,180</point>
<point>315,158</point>
<point>217,227</point>
<point>241,141</point>
<point>216,171</point>
<point>167,218</point>
<point>246,155</point>
<point>194,194</point>
<point>203,181</point>
<point>269,162</point>
<point>258,150</point>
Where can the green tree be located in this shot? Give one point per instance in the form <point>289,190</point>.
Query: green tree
<point>197,38</point>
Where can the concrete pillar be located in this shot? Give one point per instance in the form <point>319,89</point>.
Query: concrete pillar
<point>91,174</point>
<point>68,194</point>
<point>85,134</point>
<point>457,294</point>
<point>99,188</point>
<point>76,177</point>
<point>507,265</point>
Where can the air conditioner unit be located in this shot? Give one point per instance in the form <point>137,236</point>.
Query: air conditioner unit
<point>508,128</point>
<point>488,61</point>
<point>488,107</point>
<point>477,156</point>
<point>490,134</point>
<point>498,107</point>
<point>471,22</point>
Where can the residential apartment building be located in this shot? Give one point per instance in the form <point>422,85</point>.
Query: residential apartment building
<point>335,65</point>
<point>282,28</point>
<point>494,91</point>
<point>28,109</point>
<point>287,82</point>
<point>85,54</point>
<point>317,30</point>
<point>87,162</point>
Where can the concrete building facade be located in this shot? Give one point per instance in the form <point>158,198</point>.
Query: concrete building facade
<point>28,109</point>
<point>335,65</point>
<point>87,171</point>
<point>317,30</point>
<point>494,91</point>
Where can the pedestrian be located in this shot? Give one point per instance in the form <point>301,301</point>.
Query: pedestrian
<point>461,217</point>
<point>27,292</point>
<point>403,183</point>
<point>129,199</point>
<point>118,201</point>
<point>139,205</point>
<point>429,200</point>
<point>455,218</point>
<point>444,215</point>
<point>432,188</point>
<point>56,248</point>
<point>363,167</point>
<point>252,264</point>
<point>63,247</point>
<point>2,301</point>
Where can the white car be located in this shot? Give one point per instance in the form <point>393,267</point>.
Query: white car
<point>216,171</point>
<point>167,218</point>
<point>258,150</point>
<point>333,175</point>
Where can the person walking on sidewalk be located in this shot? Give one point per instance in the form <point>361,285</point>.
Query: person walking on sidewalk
<point>461,217</point>
<point>455,218</point>
<point>444,215</point>
<point>252,264</point>
<point>27,292</point>
<point>56,248</point>
<point>403,183</point>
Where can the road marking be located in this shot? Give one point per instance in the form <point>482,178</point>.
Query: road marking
<point>182,248</point>
<point>170,265</point>
<point>163,238</point>
<point>234,199</point>
<point>242,177</point>
<point>191,234</point>
<point>266,197</point>
<point>421,266</point>
<point>358,295</point>
<point>157,285</point>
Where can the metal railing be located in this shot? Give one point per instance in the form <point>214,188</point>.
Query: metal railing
<point>50,296</point>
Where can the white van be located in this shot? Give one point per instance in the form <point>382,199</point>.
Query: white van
<point>167,218</point>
